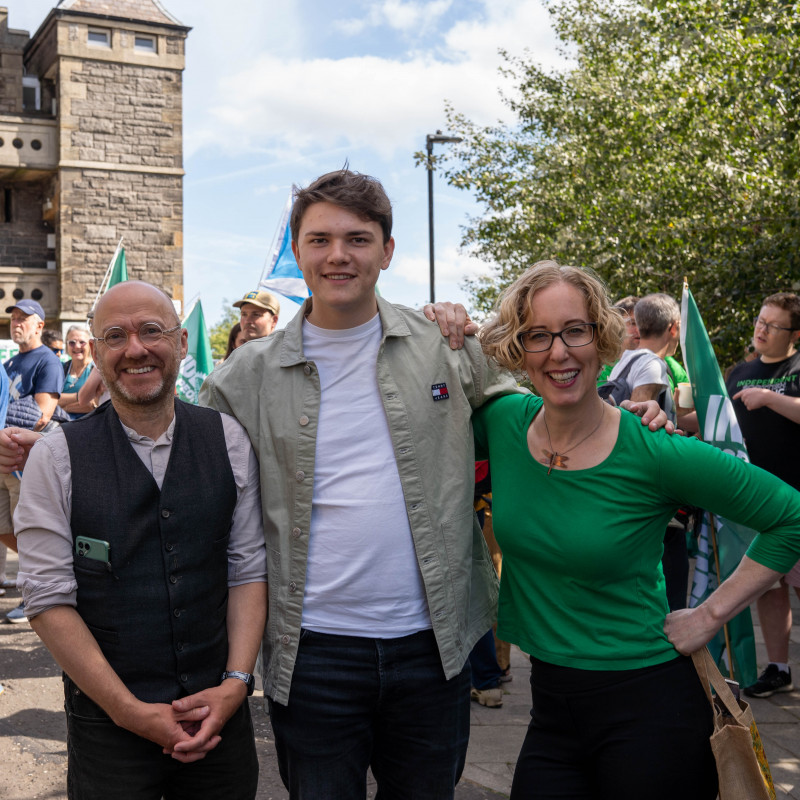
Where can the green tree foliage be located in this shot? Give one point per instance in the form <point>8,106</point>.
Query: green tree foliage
<point>219,332</point>
<point>669,148</point>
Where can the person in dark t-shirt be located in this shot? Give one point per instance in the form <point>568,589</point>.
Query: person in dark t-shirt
<point>766,399</point>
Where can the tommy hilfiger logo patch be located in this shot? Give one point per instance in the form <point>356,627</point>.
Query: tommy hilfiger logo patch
<point>439,391</point>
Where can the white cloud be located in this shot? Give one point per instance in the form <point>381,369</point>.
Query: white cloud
<point>380,103</point>
<point>451,268</point>
<point>353,26</point>
<point>407,17</point>
<point>360,102</point>
<point>512,25</point>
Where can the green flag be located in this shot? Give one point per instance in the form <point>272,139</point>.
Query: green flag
<point>198,362</point>
<point>718,426</point>
<point>119,268</point>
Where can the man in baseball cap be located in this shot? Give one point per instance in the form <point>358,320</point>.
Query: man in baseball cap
<point>259,311</point>
<point>35,378</point>
<point>28,307</point>
<point>35,372</point>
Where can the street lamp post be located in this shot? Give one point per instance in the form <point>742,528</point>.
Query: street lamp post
<point>430,139</point>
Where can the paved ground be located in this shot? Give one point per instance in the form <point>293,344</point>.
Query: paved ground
<point>33,750</point>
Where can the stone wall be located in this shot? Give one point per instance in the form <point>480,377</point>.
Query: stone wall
<point>23,241</point>
<point>128,116</point>
<point>117,170</point>
<point>98,207</point>
<point>11,44</point>
<point>121,114</point>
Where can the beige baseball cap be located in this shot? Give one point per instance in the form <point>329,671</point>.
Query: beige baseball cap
<point>263,299</point>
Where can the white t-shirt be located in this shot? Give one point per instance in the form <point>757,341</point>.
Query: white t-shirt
<point>362,577</point>
<point>647,368</point>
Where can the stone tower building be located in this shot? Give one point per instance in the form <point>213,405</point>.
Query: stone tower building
<point>91,151</point>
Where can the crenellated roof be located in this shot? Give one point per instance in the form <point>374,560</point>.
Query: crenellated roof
<point>141,10</point>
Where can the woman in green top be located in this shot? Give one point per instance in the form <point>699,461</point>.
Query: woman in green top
<point>582,495</point>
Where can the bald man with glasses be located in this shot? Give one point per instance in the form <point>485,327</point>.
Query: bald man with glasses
<point>146,576</point>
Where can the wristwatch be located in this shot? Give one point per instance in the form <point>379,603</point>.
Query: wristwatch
<point>241,676</point>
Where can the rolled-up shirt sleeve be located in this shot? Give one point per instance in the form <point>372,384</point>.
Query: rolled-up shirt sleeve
<point>42,526</point>
<point>42,518</point>
<point>247,555</point>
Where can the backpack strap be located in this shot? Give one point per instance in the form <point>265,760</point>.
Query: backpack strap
<point>627,368</point>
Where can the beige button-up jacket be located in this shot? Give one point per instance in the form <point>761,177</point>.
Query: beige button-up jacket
<point>429,392</point>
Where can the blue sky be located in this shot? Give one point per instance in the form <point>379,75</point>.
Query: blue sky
<point>279,93</point>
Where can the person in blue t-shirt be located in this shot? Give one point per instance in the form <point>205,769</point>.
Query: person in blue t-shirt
<point>34,380</point>
<point>5,583</point>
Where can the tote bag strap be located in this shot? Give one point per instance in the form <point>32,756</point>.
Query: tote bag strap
<point>709,673</point>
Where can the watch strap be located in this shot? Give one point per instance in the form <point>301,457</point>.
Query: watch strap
<point>245,677</point>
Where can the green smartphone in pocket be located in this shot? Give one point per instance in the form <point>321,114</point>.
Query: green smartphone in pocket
<point>95,549</point>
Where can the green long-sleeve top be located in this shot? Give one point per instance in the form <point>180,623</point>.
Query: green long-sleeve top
<point>582,584</point>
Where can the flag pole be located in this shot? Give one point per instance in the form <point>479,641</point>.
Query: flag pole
<point>191,305</point>
<point>108,271</point>
<point>713,527</point>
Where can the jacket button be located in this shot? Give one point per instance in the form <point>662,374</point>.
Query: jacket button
<point>285,639</point>
<point>300,475</point>
<point>176,612</point>
<point>168,547</point>
<point>165,512</point>
<point>173,579</point>
<point>304,420</point>
<point>307,369</point>
<point>295,532</point>
<point>292,587</point>
<point>179,646</point>
<point>184,677</point>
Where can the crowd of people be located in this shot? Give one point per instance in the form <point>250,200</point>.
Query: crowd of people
<point>318,506</point>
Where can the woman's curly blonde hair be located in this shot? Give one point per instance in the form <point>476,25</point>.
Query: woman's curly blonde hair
<point>500,336</point>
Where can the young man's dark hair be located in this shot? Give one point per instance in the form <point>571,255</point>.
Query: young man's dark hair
<point>359,194</point>
<point>788,302</point>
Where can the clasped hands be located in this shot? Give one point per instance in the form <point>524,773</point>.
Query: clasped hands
<point>188,728</point>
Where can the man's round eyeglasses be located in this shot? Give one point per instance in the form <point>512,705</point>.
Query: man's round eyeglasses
<point>769,327</point>
<point>573,336</point>
<point>149,334</point>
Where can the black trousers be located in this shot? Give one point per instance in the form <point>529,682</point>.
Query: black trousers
<point>106,762</point>
<point>625,735</point>
<point>675,564</point>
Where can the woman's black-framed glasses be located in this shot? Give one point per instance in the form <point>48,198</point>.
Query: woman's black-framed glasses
<point>574,336</point>
<point>149,334</point>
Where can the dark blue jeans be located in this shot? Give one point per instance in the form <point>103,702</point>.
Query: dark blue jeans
<point>106,762</point>
<point>381,703</point>
<point>486,672</point>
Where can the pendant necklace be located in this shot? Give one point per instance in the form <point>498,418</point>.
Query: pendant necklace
<point>554,459</point>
